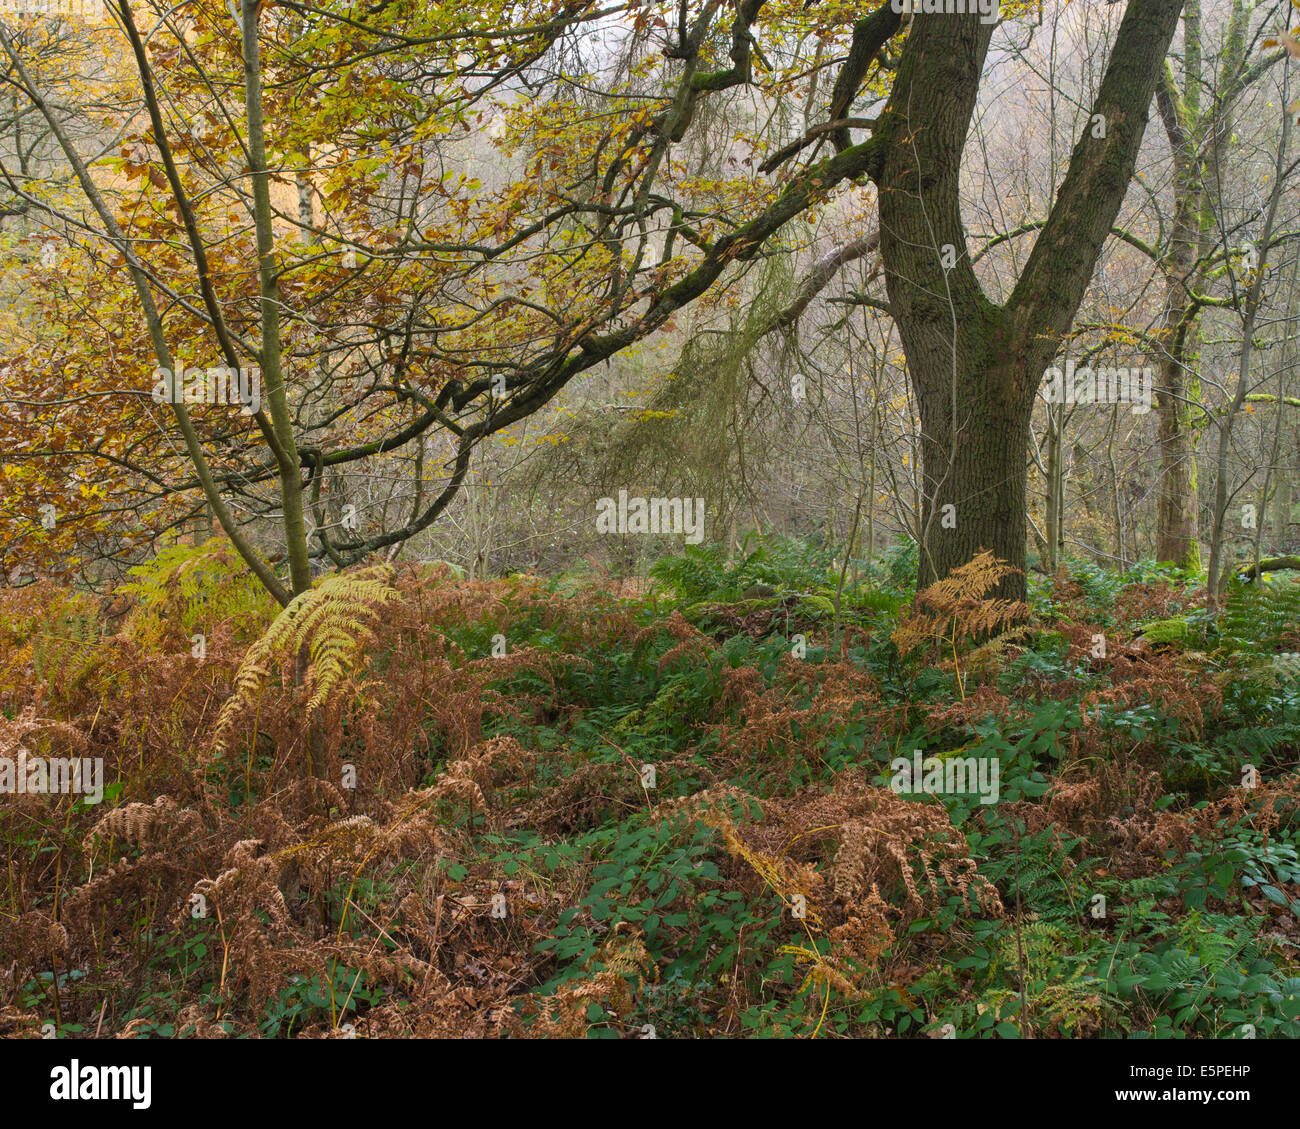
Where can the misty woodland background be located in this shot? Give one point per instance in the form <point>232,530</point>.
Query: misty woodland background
<point>398,740</point>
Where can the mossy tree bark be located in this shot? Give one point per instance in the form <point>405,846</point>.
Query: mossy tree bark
<point>976,366</point>
<point>1198,136</point>
<point>271,356</point>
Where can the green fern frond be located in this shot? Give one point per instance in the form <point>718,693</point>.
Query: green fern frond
<point>1257,741</point>
<point>992,651</point>
<point>1039,941</point>
<point>65,645</point>
<point>1260,618</point>
<point>185,589</point>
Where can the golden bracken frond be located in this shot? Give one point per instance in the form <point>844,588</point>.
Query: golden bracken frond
<point>953,610</point>
<point>332,621</point>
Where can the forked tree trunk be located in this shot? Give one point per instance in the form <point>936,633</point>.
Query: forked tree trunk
<point>976,367</point>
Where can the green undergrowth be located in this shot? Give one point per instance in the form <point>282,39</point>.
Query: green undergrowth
<point>697,833</point>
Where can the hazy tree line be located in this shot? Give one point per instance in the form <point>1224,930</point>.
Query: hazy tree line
<point>809,268</point>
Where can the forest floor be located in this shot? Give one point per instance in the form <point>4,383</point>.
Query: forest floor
<point>430,806</point>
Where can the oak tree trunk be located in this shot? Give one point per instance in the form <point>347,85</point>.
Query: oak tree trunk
<point>975,366</point>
